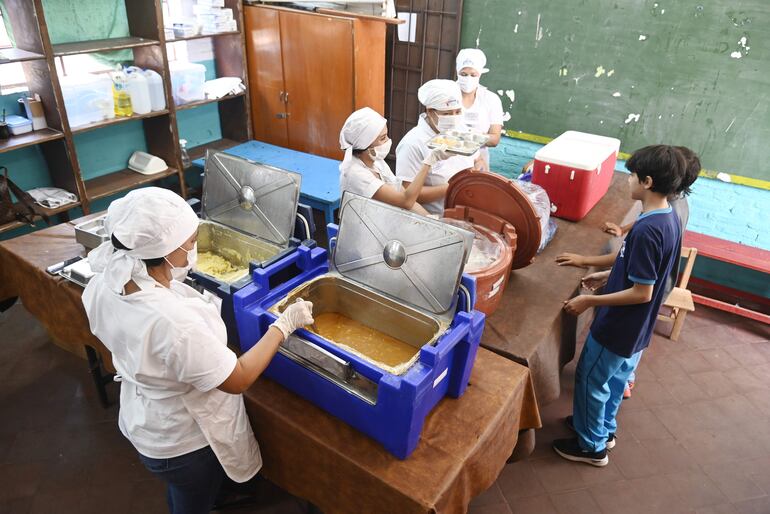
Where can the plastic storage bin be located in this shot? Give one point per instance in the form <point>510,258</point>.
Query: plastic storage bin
<point>187,81</point>
<point>491,257</point>
<point>369,282</point>
<point>87,98</point>
<point>18,124</point>
<point>576,170</point>
<point>492,203</point>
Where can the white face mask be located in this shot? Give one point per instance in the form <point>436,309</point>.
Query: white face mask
<point>468,83</point>
<point>381,151</point>
<point>179,274</point>
<point>449,122</point>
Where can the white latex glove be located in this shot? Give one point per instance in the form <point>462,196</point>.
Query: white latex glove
<point>296,315</point>
<point>436,155</point>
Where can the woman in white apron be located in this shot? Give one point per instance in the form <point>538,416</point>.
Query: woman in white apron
<point>363,171</point>
<point>482,109</point>
<point>180,401</point>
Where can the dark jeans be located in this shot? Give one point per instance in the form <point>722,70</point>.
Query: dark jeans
<point>193,480</point>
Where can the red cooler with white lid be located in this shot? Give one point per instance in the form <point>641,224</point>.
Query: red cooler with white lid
<point>576,170</point>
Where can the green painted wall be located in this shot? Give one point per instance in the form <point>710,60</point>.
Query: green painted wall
<point>685,72</point>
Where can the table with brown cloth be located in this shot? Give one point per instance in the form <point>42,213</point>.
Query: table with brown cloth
<point>463,447</point>
<point>529,325</point>
<point>54,301</point>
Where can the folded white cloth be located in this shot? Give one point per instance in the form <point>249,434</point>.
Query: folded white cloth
<point>223,86</point>
<point>52,197</point>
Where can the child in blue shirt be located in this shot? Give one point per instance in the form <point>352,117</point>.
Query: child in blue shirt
<point>678,202</point>
<point>627,309</point>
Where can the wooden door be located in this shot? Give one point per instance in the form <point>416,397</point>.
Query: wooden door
<point>266,75</point>
<point>318,72</point>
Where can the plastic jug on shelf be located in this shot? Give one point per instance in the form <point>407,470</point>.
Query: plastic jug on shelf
<point>139,89</point>
<point>157,93</point>
<point>120,94</point>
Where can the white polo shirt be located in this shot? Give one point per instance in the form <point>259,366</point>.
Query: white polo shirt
<point>413,149</point>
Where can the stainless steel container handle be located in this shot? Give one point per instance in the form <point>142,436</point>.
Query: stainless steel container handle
<point>313,354</point>
<point>305,224</point>
<point>467,295</point>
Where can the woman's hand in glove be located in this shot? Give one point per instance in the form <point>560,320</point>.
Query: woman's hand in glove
<point>436,155</point>
<point>296,315</point>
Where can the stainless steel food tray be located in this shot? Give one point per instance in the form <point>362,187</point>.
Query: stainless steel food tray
<point>458,142</point>
<point>71,273</point>
<point>91,233</point>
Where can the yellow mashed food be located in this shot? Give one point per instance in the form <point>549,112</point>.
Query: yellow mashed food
<point>448,141</point>
<point>220,268</point>
<point>368,342</point>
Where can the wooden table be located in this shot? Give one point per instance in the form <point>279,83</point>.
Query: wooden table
<point>320,188</point>
<point>463,447</point>
<point>529,325</point>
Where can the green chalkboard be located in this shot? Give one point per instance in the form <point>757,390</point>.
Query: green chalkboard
<point>685,72</point>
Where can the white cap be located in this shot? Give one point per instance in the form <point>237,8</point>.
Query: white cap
<point>472,58</point>
<point>151,222</point>
<point>361,129</point>
<point>440,94</point>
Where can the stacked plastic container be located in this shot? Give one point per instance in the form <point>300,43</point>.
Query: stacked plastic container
<point>213,18</point>
<point>187,81</point>
<point>88,97</point>
<point>495,206</point>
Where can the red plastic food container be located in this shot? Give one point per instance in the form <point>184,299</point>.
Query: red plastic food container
<point>576,170</point>
<point>494,203</point>
<point>491,279</point>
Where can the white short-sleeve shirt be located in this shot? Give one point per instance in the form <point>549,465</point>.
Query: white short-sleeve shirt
<point>487,110</point>
<point>164,343</point>
<point>357,178</point>
<point>413,149</point>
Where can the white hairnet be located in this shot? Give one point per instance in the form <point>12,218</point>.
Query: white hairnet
<point>358,133</point>
<point>361,129</point>
<point>471,58</point>
<point>440,94</point>
<point>151,223</point>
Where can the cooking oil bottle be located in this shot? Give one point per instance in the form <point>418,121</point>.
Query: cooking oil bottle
<point>120,94</point>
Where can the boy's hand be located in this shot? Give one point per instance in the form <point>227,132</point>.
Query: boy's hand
<point>594,281</point>
<point>612,228</point>
<point>570,259</point>
<point>577,305</point>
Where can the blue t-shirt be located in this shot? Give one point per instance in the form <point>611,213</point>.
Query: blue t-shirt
<point>647,256</point>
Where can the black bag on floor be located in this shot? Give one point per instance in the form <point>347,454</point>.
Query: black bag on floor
<point>24,211</point>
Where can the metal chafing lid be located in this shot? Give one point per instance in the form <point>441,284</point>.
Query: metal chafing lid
<point>254,198</point>
<point>408,257</point>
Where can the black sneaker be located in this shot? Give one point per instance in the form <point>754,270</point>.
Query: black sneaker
<point>610,438</point>
<point>570,449</point>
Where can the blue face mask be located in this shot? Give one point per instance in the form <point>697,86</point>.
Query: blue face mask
<point>179,274</point>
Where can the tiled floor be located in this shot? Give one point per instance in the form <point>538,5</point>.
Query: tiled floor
<point>694,438</point>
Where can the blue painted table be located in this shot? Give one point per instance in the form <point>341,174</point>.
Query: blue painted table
<point>320,176</point>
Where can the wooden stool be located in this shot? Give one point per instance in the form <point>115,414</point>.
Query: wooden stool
<point>680,299</point>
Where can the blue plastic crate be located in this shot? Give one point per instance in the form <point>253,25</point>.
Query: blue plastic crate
<point>395,412</point>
